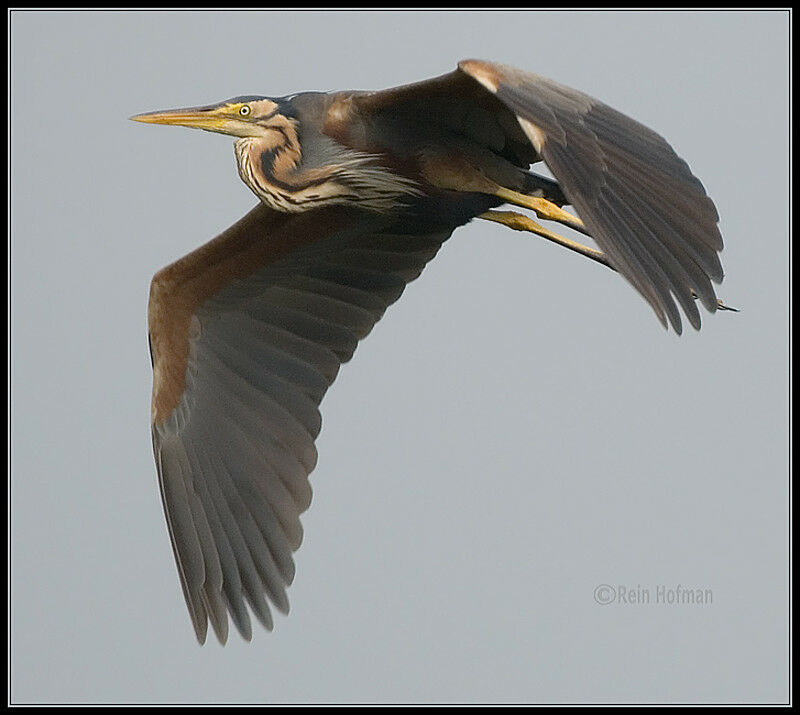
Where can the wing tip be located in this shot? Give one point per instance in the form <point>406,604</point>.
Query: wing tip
<point>200,628</point>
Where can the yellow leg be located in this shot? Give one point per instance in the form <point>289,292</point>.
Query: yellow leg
<point>542,207</point>
<point>518,222</point>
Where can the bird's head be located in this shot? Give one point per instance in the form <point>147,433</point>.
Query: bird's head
<point>267,139</point>
<point>238,117</point>
<point>292,165</point>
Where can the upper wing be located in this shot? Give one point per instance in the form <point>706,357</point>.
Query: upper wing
<point>246,335</point>
<point>639,201</point>
<point>457,103</point>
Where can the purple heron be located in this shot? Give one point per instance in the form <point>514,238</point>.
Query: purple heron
<point>357,192</point>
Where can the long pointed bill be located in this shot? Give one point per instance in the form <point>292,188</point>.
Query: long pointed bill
<point>196,118</point>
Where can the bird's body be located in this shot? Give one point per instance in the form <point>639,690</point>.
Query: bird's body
<point>357,191</point>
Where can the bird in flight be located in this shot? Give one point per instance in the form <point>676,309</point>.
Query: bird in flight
<point>357,192</point>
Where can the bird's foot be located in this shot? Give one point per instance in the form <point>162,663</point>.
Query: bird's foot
<point>720,304</point>
<point>520,222</point>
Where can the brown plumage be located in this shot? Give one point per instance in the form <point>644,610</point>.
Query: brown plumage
<point>358,190</point>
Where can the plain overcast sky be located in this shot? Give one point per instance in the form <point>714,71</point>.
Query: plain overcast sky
<point>515,433</point>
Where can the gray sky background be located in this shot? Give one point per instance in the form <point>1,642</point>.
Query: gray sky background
<point>517,431</point>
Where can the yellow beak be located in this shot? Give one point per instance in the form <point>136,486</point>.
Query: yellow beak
<point>199,119</point>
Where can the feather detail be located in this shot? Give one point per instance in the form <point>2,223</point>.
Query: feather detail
<point>331,174</point>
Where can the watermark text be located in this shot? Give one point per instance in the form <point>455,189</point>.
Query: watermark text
<point>658,595</point>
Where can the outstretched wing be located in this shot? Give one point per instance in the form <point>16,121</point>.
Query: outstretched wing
<point>246,335</point>
<point>648,213</point>
<point>639,200</point>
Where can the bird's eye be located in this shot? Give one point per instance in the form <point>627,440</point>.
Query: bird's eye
<point>244,110</point>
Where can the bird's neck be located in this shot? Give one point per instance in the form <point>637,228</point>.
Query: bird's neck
<point>286,178</point>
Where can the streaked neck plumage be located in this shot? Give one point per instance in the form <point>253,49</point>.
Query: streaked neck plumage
<point>291,175</point>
